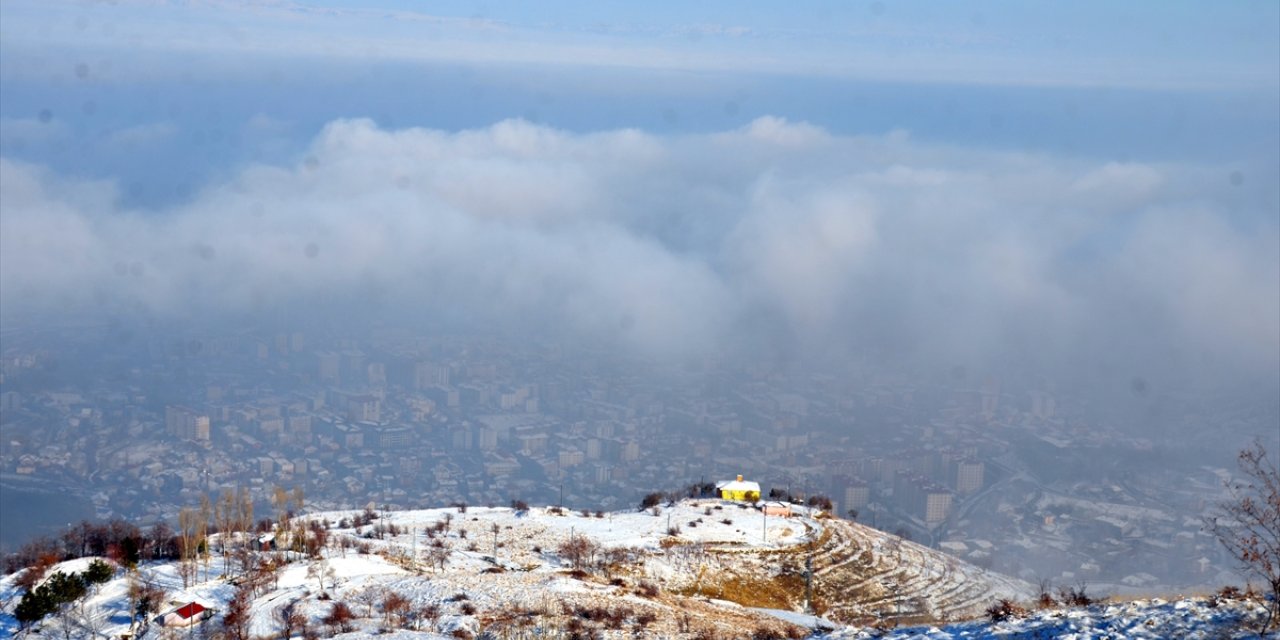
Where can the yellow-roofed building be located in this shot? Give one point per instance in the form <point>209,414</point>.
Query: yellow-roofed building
<point>739,490</point>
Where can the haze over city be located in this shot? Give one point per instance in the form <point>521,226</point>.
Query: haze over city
<point>1002,278</point>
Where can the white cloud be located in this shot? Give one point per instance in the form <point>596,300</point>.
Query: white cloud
<point>775,234</point>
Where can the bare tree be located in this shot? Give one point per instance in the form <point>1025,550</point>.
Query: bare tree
<point>339,618</point>
<point>291,619</point>
<point>321,571</point>
<point>191,531</point>
<point>202,531</point>
<point>297,500</point>
<point>437,556</point>
<point>580,551</point>
<point>87,622</point>
<point>395,609</point>
<point>370,597</point>
<point>244,508</point>
<point>145,598</point>
<point>236,620</point>
<point>225,511</point>
<point>431,614</point>
<point>1247,523</point>
<point>280,499</point>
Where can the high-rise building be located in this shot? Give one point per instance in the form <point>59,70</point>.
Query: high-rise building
<point>631,451</point>
<point>430,374</point>
<point>937,504</point>
<point>330,366</point>
<point>990,397</point>
<point>1043,406</point>
<point>183,422</point>
<point>857,495</point>
<point>487,439</point>
<point>376,373</point>
<point>969,476</point>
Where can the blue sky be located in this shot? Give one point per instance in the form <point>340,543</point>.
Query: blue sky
<point>1131,80</point>
<point>1124,45</point>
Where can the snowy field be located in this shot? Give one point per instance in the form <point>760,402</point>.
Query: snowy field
<point>501,573</point>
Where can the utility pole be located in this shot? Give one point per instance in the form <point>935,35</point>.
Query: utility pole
<point>808,584</point>
<point>808,580</point>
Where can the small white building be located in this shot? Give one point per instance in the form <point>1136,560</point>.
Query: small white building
<point>780,509</point>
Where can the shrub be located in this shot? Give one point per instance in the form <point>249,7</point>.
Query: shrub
<point>647,589</point>
<point>1045,599</point>
<point>98,572</point>
<point>1005,609</point>
<point>580,551</point>
<point>769,633</point>
<point>820,502</point>
<point>1075,596</point>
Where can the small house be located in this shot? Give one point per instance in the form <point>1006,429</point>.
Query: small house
<point>189,614</point>
<point>780,509</point>
<point>738,490</point>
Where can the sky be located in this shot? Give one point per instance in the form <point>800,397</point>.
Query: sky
<point>1061,187</point>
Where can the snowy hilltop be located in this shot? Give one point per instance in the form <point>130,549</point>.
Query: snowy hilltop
<point>698,568</point>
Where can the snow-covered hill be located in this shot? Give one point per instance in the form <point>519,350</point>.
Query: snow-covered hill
<point>696,569</point>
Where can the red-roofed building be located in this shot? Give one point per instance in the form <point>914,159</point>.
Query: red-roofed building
<point>186,615</point>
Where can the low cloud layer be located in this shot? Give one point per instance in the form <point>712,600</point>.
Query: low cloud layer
<point>779,237</point>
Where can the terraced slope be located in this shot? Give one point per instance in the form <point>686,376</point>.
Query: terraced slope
<point>859,575</point>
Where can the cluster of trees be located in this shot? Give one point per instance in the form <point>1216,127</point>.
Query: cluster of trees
<point>817,500</point>
<point>652,500</point>
<point>588,556</point>
<point>122,542</point>
<point>59,591</point>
